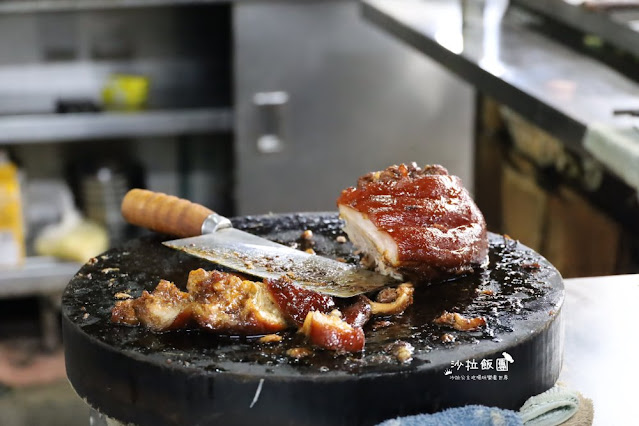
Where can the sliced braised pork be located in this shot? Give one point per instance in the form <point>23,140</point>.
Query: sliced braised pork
<point>165,308</point>
<point>329,331</point>
<point>225,303</point>
<point>414,223</point>
<point>217,301</point>
<point>296,302</point>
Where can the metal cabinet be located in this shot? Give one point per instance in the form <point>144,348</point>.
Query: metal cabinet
<point>321,97</point>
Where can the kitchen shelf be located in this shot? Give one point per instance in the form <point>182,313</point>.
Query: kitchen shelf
<point>39,275</point>
<point>21,129</point>
<point>555,87</point>
<point>29,6</point>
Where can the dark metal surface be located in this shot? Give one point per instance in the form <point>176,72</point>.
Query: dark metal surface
<point>194,377</point>
<point>351,90</point>
<point>553,86</point>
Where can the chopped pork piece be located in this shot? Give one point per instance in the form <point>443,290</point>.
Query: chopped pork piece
<point>459,322</point>
<point>227,304</point>
<point>124,313</point>
<point>271,338</point>
<point>359,312</point>
<point>403,299</point>
<point>387,295</point>
<point>391,301</point>
<point>403,351</point>
<point>217,301</point>
<point>296,302</point>
<point>331,332</point>
<point>163,309</point>
<point>414,223</point>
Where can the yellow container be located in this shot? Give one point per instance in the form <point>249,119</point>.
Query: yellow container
<point>125,92</point>
<point>11,225</point>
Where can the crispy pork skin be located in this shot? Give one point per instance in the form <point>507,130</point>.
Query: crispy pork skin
<point>331,332</point>
<point>296,302</point>
<point>124,313</point>
<point>218,301</point>
<point>226,303</point>
<point>164,308</point>
<point>415,223</point>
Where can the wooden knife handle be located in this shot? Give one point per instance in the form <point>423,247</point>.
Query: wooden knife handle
<point>164,213</point>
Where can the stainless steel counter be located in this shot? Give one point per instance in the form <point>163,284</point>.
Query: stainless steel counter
<point>556,88</point>
<point>616,25</point>
<point>601,344</point>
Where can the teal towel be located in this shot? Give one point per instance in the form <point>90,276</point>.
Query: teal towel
<point>470,415</point>
<point>550,408</point>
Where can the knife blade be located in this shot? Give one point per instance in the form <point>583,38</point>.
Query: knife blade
<point>212,237</point>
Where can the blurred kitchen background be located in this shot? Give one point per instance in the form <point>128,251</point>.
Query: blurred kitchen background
<point>247,107</point>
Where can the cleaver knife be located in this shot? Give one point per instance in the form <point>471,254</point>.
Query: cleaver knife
<point>212,236</point>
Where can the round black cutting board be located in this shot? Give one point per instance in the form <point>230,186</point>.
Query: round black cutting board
<point>192,377</point>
